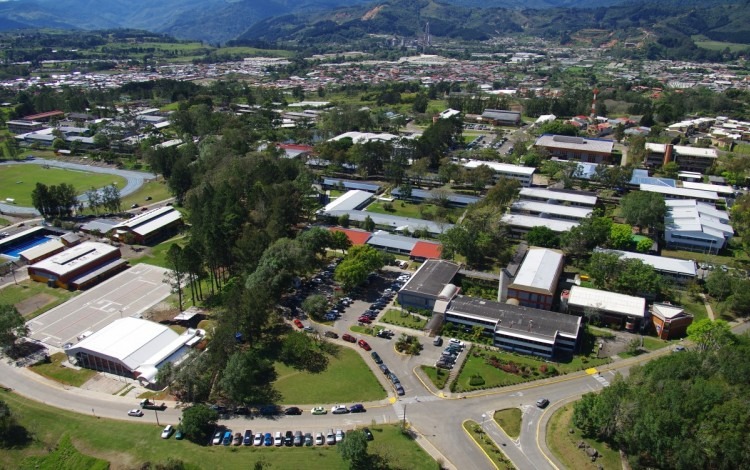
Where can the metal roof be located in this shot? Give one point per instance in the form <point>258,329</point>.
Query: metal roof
<point>349,201</point>
<point>659,263</point>
<point>680,192</point>
<point>575,143</point>
<point>561,196</point>
<point>607,301</point>
<point>640,176</point>
<point>370,187</point>
<point>708,187</point>
<point>498,167</point>
<point>388,240</point>
<point>427,195</point>
<point>431,278</point>
<point>539,270</point>
<point>81,255</point>
<point>528,221</point>
<point>394,222</point>
<point>552,209</point>
<point>39,251</point>
<point>158,223</point>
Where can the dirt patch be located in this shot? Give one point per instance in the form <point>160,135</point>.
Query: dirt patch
<point>160,312</point>
<point>32,304</point>
<point>372,13</point>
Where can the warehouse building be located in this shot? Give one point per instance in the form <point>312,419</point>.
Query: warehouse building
<point>353,200</point>
<point>619,310</point>
<point>79,267</point>
<point>535,283</point>
<point>149,227</point>
<point>134,348</point>
<point>40,252</point>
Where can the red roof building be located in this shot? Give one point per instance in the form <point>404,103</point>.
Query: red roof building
<point>357,237</point>
<point>426,250</point>
<point>44,116</point>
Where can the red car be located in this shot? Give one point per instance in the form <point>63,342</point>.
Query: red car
<point>298,323</point>
<point>349,338</point>
<point>363,344</point>
<point>364,319</point>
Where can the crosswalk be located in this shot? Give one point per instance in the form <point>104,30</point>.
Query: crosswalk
<point>601,380</point>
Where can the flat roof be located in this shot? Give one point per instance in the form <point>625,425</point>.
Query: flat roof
<point>395,222</point>
<point>517,320</point>
<point>528,221</point>
<point>41,250</point>
<point>553,209</point>
<point>11,240</point>
<point>432,277</point>
<point>575,143</point>
<point>99,270</point>
<point>659,263</point>
<point>451,197</point>
<point>708,187</point>
<point>683,192</point>
<point>102,225</point>
<point>695,151</point>
<point>364,137</point>
<point>75,257</point>
<point>607,301</point>
<point>388,240</point>
<point>370,187</point>
<point>349,201</point>
<point>539,270</point>
<point>557,195</point>
<point>144,217</point>
<point>506,168</point>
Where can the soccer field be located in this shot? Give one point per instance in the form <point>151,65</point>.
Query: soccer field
<point>18,181</point>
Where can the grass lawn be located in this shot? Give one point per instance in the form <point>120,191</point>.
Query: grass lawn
<point>363,330</point>
<point>18,181</point>
<point>415,211</point>
<point>347,379</point>
<point>499,460</point>
<point>695,307</point>
<point>65,375</point>
<point>438,376</point>
<point>157,255</point>
<point>565,445</point>
<point>396,317</point>
<point>652,344</point>
<point>158,191</point>
<point>716,260</point>
<point>34,298</point>
<point>705,43</point>
<point>510,420</point>
<point>477,365</point>
<point>65,457</point>
<point>128,444</point>
<point>4,222</point>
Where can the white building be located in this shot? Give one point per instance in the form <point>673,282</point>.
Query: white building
<point>352,200</point>
<point>696,226</point>
<point>679,270</point>
<point>681,193</point>
<point>523,174</point>
<point>624,310</point>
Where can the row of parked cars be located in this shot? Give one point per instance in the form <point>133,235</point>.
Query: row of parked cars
<point>289,439</point>
<point>387,372</point>
<point>450,354</point>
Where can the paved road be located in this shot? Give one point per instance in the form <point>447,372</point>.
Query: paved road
<point>134,180</point>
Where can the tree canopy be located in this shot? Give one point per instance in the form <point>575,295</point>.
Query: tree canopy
<point>12,326</point>
<point>644,209</point>
<point>198,422</point>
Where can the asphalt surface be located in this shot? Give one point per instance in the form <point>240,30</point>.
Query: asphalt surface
<point>134,180</point>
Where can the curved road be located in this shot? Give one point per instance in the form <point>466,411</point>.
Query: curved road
<point>134,180</point>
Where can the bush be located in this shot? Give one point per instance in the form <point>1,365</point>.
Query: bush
<point>476,380</point>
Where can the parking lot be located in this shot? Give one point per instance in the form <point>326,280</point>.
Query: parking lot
<point>129,293</point>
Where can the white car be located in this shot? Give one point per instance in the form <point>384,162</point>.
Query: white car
<point>330,438</point>
<point>319,410</point>
<point>167,432</point>
<point>339,436</point>
<point>457,342</point>
<point>339,409</point>
<point>137,413</point>
<point>278,439</point>
<point>319,439</point>
<point>217,438</point>
<point>258,441</point>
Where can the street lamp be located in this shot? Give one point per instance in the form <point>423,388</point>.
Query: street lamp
<point>484,417</point>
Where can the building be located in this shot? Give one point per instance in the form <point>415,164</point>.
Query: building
<point>669,192</point>
<point>520,224</point>
<point>696,226</point>
<point>670,321</point>
<point>40,252</point>
<point>501,117</point>
<point>148,227</point>
<point>691,159</point>
<point>352,200</point>
<point>677,270</point>
<point>431,283</point>
<point>356,237</point>
<point>79,267</point>
<point>535,283</point>
<point>421,195</point>
<point>45,117</point>
<point>620,310</point>
<point>389,222</point>
<point>559,196</point>
<point>98,227</point>
<point>550,211</point>
<point>424,250</point>
<point>576,148</point>
<point>518,329</point>
<point>523,174</point>
<point>396,244</point>
<point>721,190</point>
<point>332,183</point>
<point>22,127</point>
<point>133,348</point>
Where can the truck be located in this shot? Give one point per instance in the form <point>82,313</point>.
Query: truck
<point>147,404</point>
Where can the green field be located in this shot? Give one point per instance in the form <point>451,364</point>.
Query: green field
<point>416,211</point>
<point>54,370</point>
<point>347,379</point>
<point>157,190</point>
<point>488,446</point>
<point>564,444</point>
<point>18,181</point>
<point>438,376</point>
<point>399,318</point>
<point>157,255</point>
<point>510,420</point>
<point>705,43</point>
<point>33,298</point>
<point>128,444</point>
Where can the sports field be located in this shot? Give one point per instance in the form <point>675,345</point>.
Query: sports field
<point>18,181</point>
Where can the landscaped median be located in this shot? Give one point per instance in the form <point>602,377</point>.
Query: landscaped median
<point>509,421</point>
<point>488,446</point>
<point>403,318</point>
<point>438,376</point>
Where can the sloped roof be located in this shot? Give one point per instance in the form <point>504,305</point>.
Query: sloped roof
<point>427,250</point>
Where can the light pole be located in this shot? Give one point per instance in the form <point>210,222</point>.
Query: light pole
<point>484,417</point>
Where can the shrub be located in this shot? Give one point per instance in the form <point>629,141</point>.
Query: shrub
<point>476,380</point>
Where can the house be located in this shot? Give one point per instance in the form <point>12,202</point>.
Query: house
<point>535,283</point>
<point>576,148</point>
<point>618,310</point>
<point>696,226</point>
<point>431,283</point>
<point>670,321</point>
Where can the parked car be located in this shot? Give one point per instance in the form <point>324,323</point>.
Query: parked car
<point>137,413</point>
<point>339,409</point>
<point>237,439</point>
<point>400,390</point>
<point>364,319</point>
<point>248,440</point>
<point>457,342</point>
<point>319,410</point>
<point>438,341</point>
<point>289,439</point>
<point>368,434</point>
<point>363,344</point>
<point>292,410</point>
<point>376,357</point>
<point>330,334</point>
<point>217,437</point>
<point>268,439</point>
<point>542,403</point>
<point>179,435</point>
<point>269,410</point>
<point>385,369</point>
<point>167,432</point>
<point>330,437</point>
<point>298,323</point>
<point>339,435</point>
<point>298,440</point>
<point>258,441</point>
<point>319,439</point>
<point>227,439</point>
<point>358,408</point>
<point>308,439</point>
<point>394,378</point>
<point>349,338</point>
<point>309,329</point>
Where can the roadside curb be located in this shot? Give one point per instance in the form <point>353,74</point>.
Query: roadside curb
<point>479,445</point>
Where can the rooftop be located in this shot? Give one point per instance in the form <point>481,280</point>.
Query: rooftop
<point>41,250</point>
<point>528,221</point>
<point>389,240</point>
<point>607,301</point>
<point>357,237</point>
<point>427,250</point>
<point>432,277</point>
<point>576,197</point>
<point>349,201</point>
<point>370,187</point>
<point>538,272</point>
<point>552,209</point>
<point>502,167</point>
<point>679,192</point>
<point>575,143</point>
<point>451,197</point>
<point>659,263</point>
<point>75,257</point>
<point>395,222</point>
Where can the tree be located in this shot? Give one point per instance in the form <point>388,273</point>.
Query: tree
<point>94,199</point>
<point>620,236</point>
<point>198,422</point>
<point>41,198</point>
<point>643,208</point>
<point>720,284</point>
<point>344,220</point>
<point>247,378</point>
<point>315,305</point>
<point>12,326</point>
<point>543,236</point>
<point>360,261</point>
<point>110,198</point>
<point>368,224</point>
<point>710,335</point>
<point>299,351</point>
<point>339,241</point>
<point>420,103</point>
<point>354,449</point>
<point>502,193</point>
<point>175,277</point>
<point>12,434</point>
<point>670,170</point>
<point>619,132</point>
